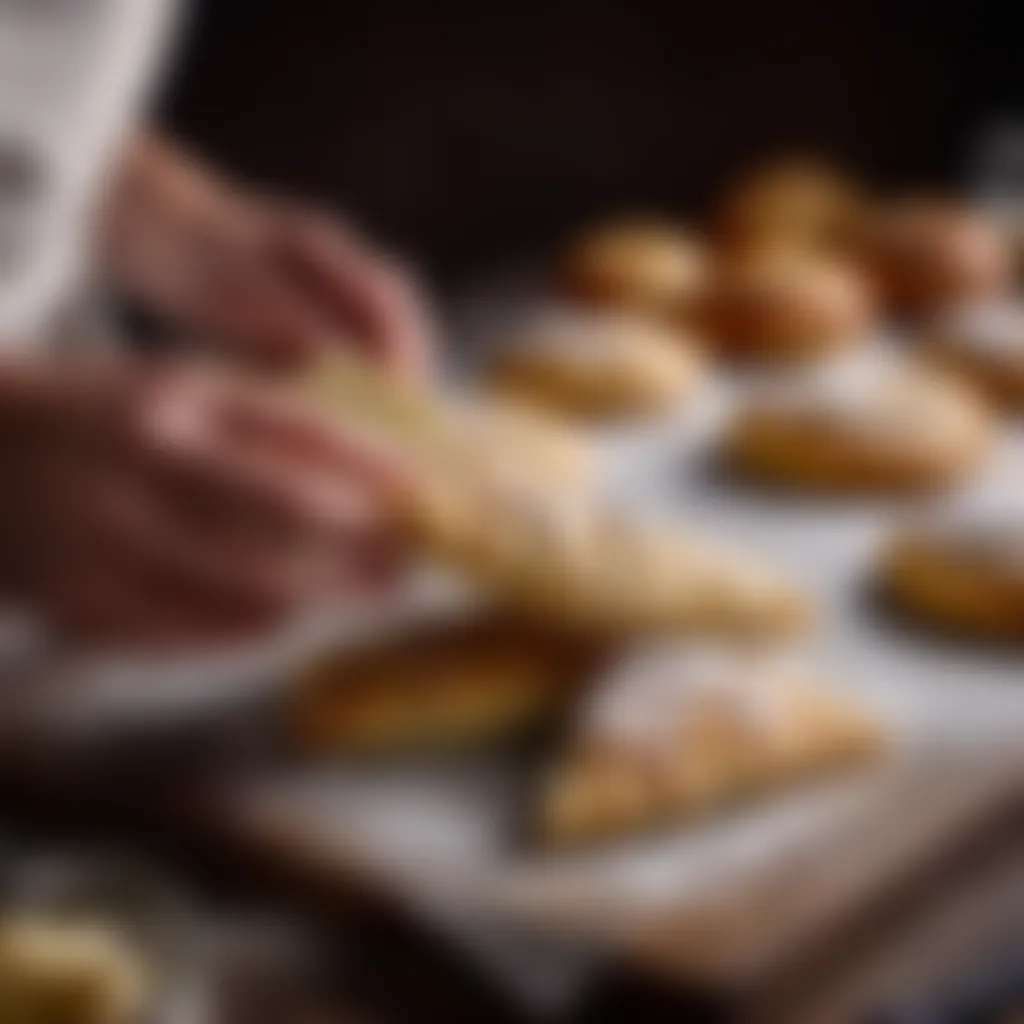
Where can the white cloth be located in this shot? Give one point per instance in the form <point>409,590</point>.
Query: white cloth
<point>72,73</point>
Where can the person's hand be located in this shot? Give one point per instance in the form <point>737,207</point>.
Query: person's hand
<point>272,281</point>
<point>160,506</point>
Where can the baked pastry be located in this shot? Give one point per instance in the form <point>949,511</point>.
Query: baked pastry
<point>785,305</point>
<point>574,562</point>
<point>68,971</point>
<point>676,732</point>
<point>640,266</point>
<point>931,255</point>
<point>597,367</point>
<point>506,436</point>
<point>555,556</point>
<point>966,574</point>
<point>984,346</point>
<point>481,434</point>
<point>453,684</point>
<point>858,431</point>
<point>794,202</point>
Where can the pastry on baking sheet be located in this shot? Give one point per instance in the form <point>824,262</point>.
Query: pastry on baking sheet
<point>883,431</point>
<point>475,435</point>
<point>983,345</point>
<point>573,561</point>
<point>965,572</point>
<point>595,367</point>
<point>677,731</point>
<point>781,304</point>
<point>929,255</point>
<point>70,972</point>
<point>794,201</point>
<point>642,265</point>
<point>451,684</point>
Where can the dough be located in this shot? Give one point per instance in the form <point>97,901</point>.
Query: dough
<point>877,431</point>
<point>598,367</point>
<point>452,684</point>
<point>931,255</point>
<point>677,731</point>
<point>782,305</point>
<point>966,573</point>
<point>641,266</point>
<point>983,345</point>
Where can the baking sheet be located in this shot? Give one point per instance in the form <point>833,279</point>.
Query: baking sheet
<point>702,898</point>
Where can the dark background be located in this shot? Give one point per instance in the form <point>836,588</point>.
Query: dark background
<point>467,132</point>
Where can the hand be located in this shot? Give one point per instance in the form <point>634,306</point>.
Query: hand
<point>163,506</point>
<point>274,282</point>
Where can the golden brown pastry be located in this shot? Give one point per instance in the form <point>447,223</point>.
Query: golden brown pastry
<point>598,367</point>
<point>640,266</point>
<point>983,345</point>
<point>930,255</point>
<point>784,305</point>
<point>966,574</point>
<point>577,563</point>
<point>678,732</point>
<point>68,972</point>
<point>452,684</point>
<point>863,432</point>
<point>793,203</point>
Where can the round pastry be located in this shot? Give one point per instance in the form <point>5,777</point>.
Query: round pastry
<point>641,266</point>
<point>782,305</point>
<point>890,432</point>
<point>984,346</point>
<point>967,574</point>
<point>793,202</point>
<point>929,255</point>
<point>598,367</point>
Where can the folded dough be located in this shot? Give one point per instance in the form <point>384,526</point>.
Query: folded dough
<point>675,731</point>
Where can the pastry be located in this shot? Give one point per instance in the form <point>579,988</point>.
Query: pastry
<point>452,684</point>
<point>882,431</point>
<point>554,556</point>
<point>481,435</point>
<point>574,562</point>
<point>675,732</point>
<point>597,367</point>
<point>966,574</point>
<point>984,346</point>
<point>640,266</point>
<point>523,441</point>
<point>931,255</point>
<point>68,971</point>
<point>792,203</point>
<point>782,305</point>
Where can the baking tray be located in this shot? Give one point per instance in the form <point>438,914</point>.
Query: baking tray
<point>724,900</point>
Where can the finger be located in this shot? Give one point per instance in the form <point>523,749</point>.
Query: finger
<point>108,608</point>
<point>249,305</point>
<point>197,569</point>
<point>371,302</point>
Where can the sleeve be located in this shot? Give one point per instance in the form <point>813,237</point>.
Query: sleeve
<point>72,72</point>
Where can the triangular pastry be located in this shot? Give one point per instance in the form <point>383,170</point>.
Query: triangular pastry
<point>674,732</point>
<point>558,557</point>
